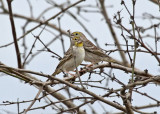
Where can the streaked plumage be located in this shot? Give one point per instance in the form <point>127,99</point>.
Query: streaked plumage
<point>72,58</point>
<point>93,54</point>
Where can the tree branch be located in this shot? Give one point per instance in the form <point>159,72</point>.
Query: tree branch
<point>14,33</point>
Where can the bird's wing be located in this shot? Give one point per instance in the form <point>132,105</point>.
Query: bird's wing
<point>68,55</point>
<point>90,47</point>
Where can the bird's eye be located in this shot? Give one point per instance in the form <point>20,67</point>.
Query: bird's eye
<point>76,33</point>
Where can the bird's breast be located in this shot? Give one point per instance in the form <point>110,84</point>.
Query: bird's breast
<point>79,54</point>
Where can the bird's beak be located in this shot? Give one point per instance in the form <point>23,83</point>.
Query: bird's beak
<point>72,36</point>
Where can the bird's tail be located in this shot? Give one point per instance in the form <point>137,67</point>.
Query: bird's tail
<point>54,74</point>
<point>112,60</point>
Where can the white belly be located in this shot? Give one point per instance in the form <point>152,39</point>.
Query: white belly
<point>79,54</point>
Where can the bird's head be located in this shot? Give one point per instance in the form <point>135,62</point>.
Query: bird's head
<point>80,35</point>
<point>76,39</point>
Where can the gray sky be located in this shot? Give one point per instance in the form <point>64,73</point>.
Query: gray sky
<point>12,89</point>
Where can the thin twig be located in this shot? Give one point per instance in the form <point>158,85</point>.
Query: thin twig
<point>104,13</point>
<point>36,97</point>
<point>14,33</point>
<point>75,61</point>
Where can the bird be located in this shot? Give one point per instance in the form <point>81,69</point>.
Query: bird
<point>72,58</point>
<point>93,54</point>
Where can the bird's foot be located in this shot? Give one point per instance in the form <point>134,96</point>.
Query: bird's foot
<point>71,74</point>
<point>89,66</point>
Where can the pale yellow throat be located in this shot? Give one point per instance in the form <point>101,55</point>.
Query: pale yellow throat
<point>79,44</point>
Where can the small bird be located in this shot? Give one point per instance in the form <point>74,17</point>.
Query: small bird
<point>72,58</point>
<point>93,54</point>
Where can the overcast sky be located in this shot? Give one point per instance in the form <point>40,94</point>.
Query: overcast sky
<point>12,89</point>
